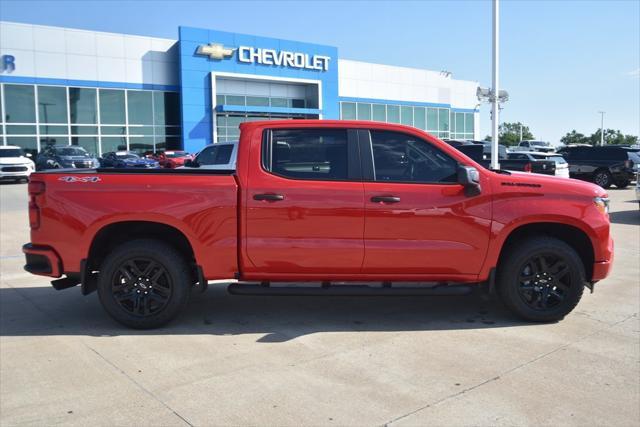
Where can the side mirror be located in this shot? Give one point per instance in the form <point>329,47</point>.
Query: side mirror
<point>469,177</point>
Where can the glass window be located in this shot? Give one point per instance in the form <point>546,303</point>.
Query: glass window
<point>459,122</point>
<point>52,104</point>
<point>443,119</point>
<point>257,101</point>
<point>298,103</point>
<point>19,103</point>
<point>140,107</point>
<point>113,144</point>
<point>54,129</point>
<point>1,115</point>
<point>393,114</point>
<point>452,116</point>
<point>141,145</point>
<point>21,129</point>
<point>141,130</point>
<point>406,115</point>
<point>89,143</point>
<point>379,113</point>
<point>235,100</point>
<point>348,110</point>
<point>319,154</point>
<point>218,154</point>
<point>82,105</point>
<point>364,111</point>
<point>468,122</point>
<point>112,108</point>
<point>219,99</point>
<point>399,157</point>
<point>279,102</point>
<point>432,119</point>
<point>112,130</point>
<point>27,143</point>
<point>84,130</point>
<point>166,108</point>
<point>419,118</point>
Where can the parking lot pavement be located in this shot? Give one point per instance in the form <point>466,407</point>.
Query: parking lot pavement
<point>323,361</point>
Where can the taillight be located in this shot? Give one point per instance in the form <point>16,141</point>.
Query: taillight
<point>527,167</point>
<point>35,188</point>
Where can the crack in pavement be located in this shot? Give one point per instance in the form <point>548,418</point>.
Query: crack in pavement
<point>508,371</point>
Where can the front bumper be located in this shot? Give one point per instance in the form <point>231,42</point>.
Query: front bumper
<point>15,171</point>
<point>42,260</point>
<point>602,269</point>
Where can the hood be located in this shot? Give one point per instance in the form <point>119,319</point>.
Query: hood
<point>552,184</point>
<point>15,161</point>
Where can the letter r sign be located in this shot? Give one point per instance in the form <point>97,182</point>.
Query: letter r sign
<point>8,63</point>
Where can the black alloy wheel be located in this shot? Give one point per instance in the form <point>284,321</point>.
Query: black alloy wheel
<point>544,281</point>
<point>141,287</point>
<point>603,179</point>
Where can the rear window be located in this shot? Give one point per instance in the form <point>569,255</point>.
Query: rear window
<point>319,154</point>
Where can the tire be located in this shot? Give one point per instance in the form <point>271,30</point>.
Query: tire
<point>603,178</point>
<point>622,184</point>
<point>127,279</point>
<point>546,297</point>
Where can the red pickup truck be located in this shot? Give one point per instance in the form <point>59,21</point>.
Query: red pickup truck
<point>360,207</point>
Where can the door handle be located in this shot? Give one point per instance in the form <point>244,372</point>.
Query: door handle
<point>385,199</point>
<point>268,197</point>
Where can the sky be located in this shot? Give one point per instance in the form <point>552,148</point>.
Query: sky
<point>561,61</point>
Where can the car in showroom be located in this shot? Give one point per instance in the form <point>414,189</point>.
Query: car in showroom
<point>562,167</point>
<point>65,156</point>
<point>171,159</point>
<point>14,164</point>
<point>605,166</point>
<point>126,159</point>
<point>533,145</point>
<point>221,156</point>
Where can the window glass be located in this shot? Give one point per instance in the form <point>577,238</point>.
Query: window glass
<point>219,99</point>
<point>468,122</point>
<point>113,144</point>
<point>21,129</point>
<point>279,102</point>
<point>52,104</point>
<point>443,119</point>
<point>140,107</point>
<point>141,145</point>
<point>166,108</point>
<point>298,103</point>
<point>19,103</point>
<point>452,116</point>
<point>1,114</point>
<point>84,130</point>
<point>219,154</point>
<point>112,108</point>
<point>406,115</point>
<point>113,130</point>
<point>235,100</point>
<point>432,119</point>
<point>379,113</point>
<point>400,157</point>
<point>28,143</point>
<point>82,105</point>
<point>89,143</point>
<point>54,129</point>
<point>348,110</point>
<point>418,118</point>
<point>258,101</point>
<point>141,130</point>
<point>364,111</point>
<point>308,153</point>
<point>459,122</point>
<point>393,114</point>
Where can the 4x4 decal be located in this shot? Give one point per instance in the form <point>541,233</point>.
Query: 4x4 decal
<point>80,178</point>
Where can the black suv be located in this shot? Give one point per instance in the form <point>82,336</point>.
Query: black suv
<point>602,165</point>
<point>65,156</point>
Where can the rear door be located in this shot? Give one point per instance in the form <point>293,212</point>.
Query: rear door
<point>418,221</point>
<point>305,204</point>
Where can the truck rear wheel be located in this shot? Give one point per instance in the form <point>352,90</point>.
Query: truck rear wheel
<point>541,279</point>
<point>144,284</point>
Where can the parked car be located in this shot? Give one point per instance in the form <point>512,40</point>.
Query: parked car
<point>14,164</point>
<point>329,201</point>
<point>65,156</point>
<point>481,153</point>
<point>561,165</point>
<point>171,159</point>
<point>605,166</point>
<point>532,145</point>
<point>216,156</point>
<point>126,159</point>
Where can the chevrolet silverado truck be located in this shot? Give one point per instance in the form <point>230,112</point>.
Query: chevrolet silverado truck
<point>358,208</point>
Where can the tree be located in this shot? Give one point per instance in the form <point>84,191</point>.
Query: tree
<point>509,133</point>
<point>612,137</point>
<point>574,137</point>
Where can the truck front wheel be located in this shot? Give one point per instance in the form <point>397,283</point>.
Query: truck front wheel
<point>541,279</point>
<point>144,284</point>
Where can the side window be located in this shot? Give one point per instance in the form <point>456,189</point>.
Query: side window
<point>319,154</point>
<point>524,144</point>
<point>215,155</point>
<point>398,157</point>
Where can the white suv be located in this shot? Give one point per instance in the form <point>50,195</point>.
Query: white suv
<point>14,164</point>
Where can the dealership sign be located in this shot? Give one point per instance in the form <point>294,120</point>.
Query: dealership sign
<point>8,63</point>
<point>256,55</point>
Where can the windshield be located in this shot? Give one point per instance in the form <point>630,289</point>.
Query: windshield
<point>72,151</point>
<point>127,156</point>
<point>11,152</point>
<point>540,143</point>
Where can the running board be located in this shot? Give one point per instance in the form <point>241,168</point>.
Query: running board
<point>349,290</point>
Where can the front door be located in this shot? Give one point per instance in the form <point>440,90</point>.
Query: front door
<point>417,217</point>
<point>305,204</point>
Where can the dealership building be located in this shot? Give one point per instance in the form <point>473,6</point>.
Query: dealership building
<point>108,91</point>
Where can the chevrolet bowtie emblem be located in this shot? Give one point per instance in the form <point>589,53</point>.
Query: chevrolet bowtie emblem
<point>215,51</point>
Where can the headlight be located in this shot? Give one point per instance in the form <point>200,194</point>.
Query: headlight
<point>602,203</point>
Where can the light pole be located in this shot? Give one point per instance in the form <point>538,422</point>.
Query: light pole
<point>601,127</point>
<point>495,84</point>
